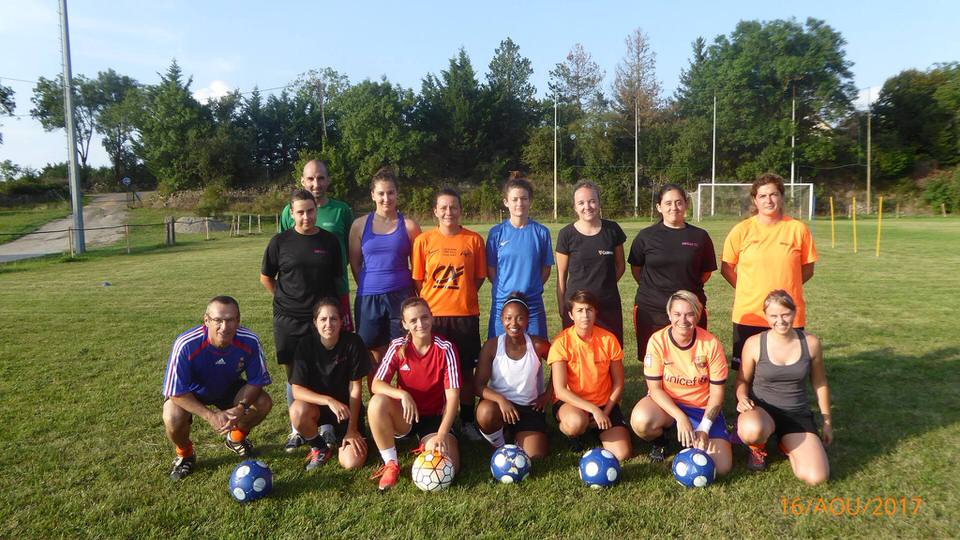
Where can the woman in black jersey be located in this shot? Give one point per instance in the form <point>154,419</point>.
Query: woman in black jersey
<point>300,266</point>
<point>590,257</point>
<point>772,393</point>
<point>670,255</point>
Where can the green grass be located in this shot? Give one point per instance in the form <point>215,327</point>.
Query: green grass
<point>17,222</point>
<point>84,452</point>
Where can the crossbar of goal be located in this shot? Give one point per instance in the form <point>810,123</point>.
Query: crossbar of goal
<point>712,189</point>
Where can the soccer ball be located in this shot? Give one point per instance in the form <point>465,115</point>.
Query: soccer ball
<point>693,468</point>
<point>510,464</point>
<point>432,471</point>
<point>599,468</point>
<point>250,480</point>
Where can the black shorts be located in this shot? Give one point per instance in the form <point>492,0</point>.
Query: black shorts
<point>224,402</point>
<point>427,425</point>
<point>740,334</point>
<point>647,322</point>
<point>464,333</point>
<point>530,420</point>
<point>616,416</point>
<point>609,317</point>
<point>339,428</point>
<point>788,422</point>
<point>287,333</point>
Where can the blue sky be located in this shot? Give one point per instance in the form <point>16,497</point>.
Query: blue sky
<point>242,44</point>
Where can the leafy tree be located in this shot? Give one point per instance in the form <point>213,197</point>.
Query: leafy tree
<point>576,81</point>
<point>635,85</point>
<point>115,118</point>
<point>7,104</point>
<point>510,108</point>
<point>87,101</point>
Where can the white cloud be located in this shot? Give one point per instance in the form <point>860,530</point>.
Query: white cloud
<point>866,97</point>
<point>215,89</point>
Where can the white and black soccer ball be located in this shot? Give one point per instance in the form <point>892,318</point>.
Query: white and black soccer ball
<point>509,464</point>
<point>693,468</point>
<point>250,480</point>
<point>432,471</point>
<point>599,468</point>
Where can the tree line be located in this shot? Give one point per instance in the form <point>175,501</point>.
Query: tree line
<point>471,130</point>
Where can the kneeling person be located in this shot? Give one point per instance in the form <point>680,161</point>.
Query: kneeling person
<point>509,380</point>
<point>203,378</point>
<point>328,367</point>
<point>426,397</point>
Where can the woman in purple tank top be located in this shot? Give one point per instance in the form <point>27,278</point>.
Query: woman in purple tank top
<point>379,253</point>
<point>772,393</point>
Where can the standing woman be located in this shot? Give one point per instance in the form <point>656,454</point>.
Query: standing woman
<point>762,253</point>
<point>380,247</point>
<point>772,393</point>
<point>590,257</point>
<point>449,266</point>
<point>519,257</point>
<point>300,266</point>
<point>671,255</point>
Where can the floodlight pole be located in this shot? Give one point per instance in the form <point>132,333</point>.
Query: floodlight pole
<point>75,195</point>
<point>636,156</point>
<point>713,169</point>
<point>554,157</point>
<point>793,138</point>
<point>869,114</point>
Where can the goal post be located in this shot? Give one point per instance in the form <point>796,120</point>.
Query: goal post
<point>733,199</point>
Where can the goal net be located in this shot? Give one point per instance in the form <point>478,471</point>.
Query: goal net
<point>733,200</point>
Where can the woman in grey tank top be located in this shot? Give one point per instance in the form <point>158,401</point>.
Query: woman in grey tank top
<point>772,393</point>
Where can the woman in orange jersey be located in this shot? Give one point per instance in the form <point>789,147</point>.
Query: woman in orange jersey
<point>449,266</point>
<point>685,370</point>
<point>764,252</point>
<point>772,393</point>
<point>586,365</point>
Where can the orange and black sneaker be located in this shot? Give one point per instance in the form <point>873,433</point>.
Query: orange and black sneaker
<point>387,474</point>
<point>757,459</point>
<point>317,457</point>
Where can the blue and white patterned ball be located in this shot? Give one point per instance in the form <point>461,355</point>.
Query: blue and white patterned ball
<point>510,464</point>
<point>693,468</point>
<point>250,480</point>
<point>599,468</point>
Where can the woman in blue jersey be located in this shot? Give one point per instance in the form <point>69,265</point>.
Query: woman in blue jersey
<point>379,252</point>
<point>509,380</point>
<point>519,257</point>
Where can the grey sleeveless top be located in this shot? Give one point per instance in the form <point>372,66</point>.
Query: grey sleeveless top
<point>784,387</point>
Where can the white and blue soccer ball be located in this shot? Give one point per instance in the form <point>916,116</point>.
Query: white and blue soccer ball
<point>250,480</point>
<point>599,468</point>
<point>693,468</point>
<point>510,464</point>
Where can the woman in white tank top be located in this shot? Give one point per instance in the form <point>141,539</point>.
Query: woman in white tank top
<point>509,379</point>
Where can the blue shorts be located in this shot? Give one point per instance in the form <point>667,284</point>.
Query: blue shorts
<point>377,317</point>
<point>719,428</point>
<point>536,322</point>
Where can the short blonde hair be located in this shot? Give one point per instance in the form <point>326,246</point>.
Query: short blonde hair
<point>781,297</point>
<point>687,297</point>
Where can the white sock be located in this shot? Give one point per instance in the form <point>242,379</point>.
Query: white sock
<point>390,454</point>
<point>495,438</point>
<point>326,428</point>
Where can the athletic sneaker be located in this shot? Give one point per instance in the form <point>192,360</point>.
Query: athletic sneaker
<point>317,457</point>
<point>756,460</point>
<point>182,466</point>
<point>331,439</point>
<point>243,448</point>
<point>471,432</point>
<point>387,474</point>
<point>658,450</point>
<point>575,444</point>
<point>294,441</point>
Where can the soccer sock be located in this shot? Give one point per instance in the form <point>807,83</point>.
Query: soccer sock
<point>236,435</point>
<point>317,442</point>
<point>495,438</point>
<point>390,454</point>
<point>467,412</point>
<point>326,428</point>
<point>186,451</point>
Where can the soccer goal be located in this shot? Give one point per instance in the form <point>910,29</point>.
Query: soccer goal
<point>727,200</point>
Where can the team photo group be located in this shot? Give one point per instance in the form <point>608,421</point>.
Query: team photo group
<point>409,336</point>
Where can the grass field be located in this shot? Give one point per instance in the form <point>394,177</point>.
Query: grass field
<point>16,222</point>
<point>84,452</point>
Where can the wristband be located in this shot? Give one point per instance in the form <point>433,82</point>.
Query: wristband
<point>705,425</point>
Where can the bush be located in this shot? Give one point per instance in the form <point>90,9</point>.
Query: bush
<point>213,201</point>
<point>943,188</point>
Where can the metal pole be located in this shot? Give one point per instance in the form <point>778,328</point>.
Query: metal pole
<point>126,233</point>
<point>879,222</point>
<point>793,139</point>
<point>713,169</point>
<point>636,156</point>
<point>869,115</point>
<point>75,195</point>
<point>554,158</point>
